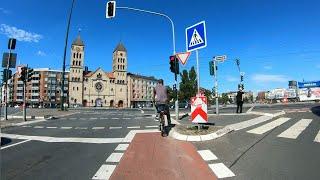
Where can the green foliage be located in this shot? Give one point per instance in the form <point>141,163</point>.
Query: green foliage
<point>171,94</point>
<point>188,84</point>
<point>224,98</point>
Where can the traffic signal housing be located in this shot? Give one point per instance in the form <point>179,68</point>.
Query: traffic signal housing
<point>29,74</point>
<point>111,9</point>
<point>7,74</point>
<point>241,78</point>
<point>174,64</point>
<point>23,74</point>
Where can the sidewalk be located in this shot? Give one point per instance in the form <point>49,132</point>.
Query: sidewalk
<point>152,157</point>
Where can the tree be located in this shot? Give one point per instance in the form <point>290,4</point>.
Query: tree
<point>171,94</point>
<point>188,84</point>
<point>225,98</point>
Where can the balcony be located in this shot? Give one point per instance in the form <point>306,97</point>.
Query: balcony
<point>35,88</point>
<point>35,81</point>
<point>20,82</point>
<point>19,94</point>
<point>52,76</point>
<point>34,100</point>
<point>34,94</point>
<point>36,75</point>
<point>20,88</point>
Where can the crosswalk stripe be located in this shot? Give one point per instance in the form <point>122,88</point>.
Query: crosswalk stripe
<point>114,118</point>
<point>98,128</point>
<point>317,139</point>
<point>151,126</point>
<point>114,157</point>
<point>133,127</point>
<point>51,127</point>
<point>115,127</point>
<point>122,147</point>
<point>104,172</point>
<point>267,127</point>
<point>221,170</point>
<point>207,155</point>
<point>294,131</point>
<point>66,127</point>
<point>38,127</point>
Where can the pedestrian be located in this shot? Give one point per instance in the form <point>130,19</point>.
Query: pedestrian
<point>239,100</point>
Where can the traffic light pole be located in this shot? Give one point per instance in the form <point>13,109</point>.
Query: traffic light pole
<point>6,89</point>
<point>173,42</point>
<point>24,97</point>
<point>216,86</point>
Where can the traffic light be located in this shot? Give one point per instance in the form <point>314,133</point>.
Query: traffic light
<point>12,43</point>
<point>7,74</point>
<point>174,88</point>
<point>238,62</point>
<point>23,74</point>
<point>211,68</point>
<point>111,9</point>
<point>240,86</point>
<point>174,64</point>
<point>29,74</point>
<point>241,78</point>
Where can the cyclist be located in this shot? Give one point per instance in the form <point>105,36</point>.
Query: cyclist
<point>160,96</point>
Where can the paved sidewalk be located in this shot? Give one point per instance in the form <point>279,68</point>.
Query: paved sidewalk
<point>152,157</point>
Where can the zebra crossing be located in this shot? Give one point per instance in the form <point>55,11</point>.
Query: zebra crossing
<point>111,118</point>
<point>293,132</point>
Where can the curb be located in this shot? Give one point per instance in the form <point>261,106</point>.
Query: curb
<point>219,133</point>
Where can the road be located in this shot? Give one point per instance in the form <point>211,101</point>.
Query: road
<point>85,145</point>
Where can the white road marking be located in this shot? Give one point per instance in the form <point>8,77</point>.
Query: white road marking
<point>15,144</point>
<point>81,128</point>
<point>133,127</point>
<point>29,122</point>
<point>59,139</point>
<point>114,118</point>
<point>126,118</point>
<point>132,133</point>
<point>317,139</point>
<point>82,118</point>
<point>38,127</point>
<point>51,127</point>
<point>221,170</point>
<point>103,118</point>
<point>114,157</point>
<point>294,131</point>
<point>115,127</point>
<point>267,127</point>
<point>248,123</point>
<point>72,118</point>
<point>122,147</point>
<point>151,126</point>
<point>66,127</point>
<point>207,155</point>
<point>93,118</point>
<point>104,172</point>
<point>26,126</point>
<point>98,128</point>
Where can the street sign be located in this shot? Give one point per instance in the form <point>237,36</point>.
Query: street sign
<point>183,57</point>
<point>199,109</point>
<point>220,58</point>
<point>196,36</point>
<point>12,60</point>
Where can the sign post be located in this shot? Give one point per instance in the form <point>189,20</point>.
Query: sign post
<point>196,39</point>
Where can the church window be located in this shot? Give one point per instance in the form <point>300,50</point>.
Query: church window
<point>73,63</point>
<point>74,55</point>
<point>73,88</point>
<point>92,101</point>
<point>77,55</point>
<point>111,89</point>
<point>80,55</point>
<point>80,62</point>
<point>118,59</point>
<point>118,67</point>
<point>85,88</point>
<point>77,88</point>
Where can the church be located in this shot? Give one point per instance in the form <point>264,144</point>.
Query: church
<point>98,88</point>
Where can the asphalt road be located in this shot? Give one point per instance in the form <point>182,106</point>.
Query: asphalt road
<point>282,152</point>
<point>76,146</point>
<point>68,160</point>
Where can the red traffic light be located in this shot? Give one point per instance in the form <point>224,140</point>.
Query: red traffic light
<point>172,58</point>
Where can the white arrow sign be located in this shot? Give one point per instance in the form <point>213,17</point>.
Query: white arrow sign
<point>183,57</point>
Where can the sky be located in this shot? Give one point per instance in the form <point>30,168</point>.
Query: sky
<point>276,41</point>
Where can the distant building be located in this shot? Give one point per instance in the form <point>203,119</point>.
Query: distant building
<point>232,95</point>
<point>43,90</point>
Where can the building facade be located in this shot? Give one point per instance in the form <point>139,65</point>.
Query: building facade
<point>44,89</point>
<point>99,88</point>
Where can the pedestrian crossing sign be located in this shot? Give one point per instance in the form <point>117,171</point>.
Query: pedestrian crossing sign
<point>196,36</point>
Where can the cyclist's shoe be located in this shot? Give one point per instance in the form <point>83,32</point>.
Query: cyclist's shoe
<point>163,134</point>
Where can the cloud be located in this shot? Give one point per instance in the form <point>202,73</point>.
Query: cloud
<point>269,78</point>
<point>41,53</point>
<point>232,79</point>
<point>19,34</point>
<point>4,11</point>
<point>267,67</point>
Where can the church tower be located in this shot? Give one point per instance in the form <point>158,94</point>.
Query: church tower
<point>76,72</point>
<point>119,68</point>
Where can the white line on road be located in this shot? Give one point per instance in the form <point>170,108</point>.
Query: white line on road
<point>294,131</point>
<point>98,128</point>
<point>221,170</point>
<point>267,127</point>
<point>26,126</point>
<point>126,118</point>
<point>104,172</point>
<point>317,139</point>
<point>115,127</point>
<point>122,147</point>
<point>114,118</point>
<point>16,144</point>
<point>72,118</point>
<point>114,157</point>
<point>103,118</point>
<point>93,118</point>
<point>38,127</point>
<point>51,127</point>
<point>207,155</point>
<point>132,133</point>
<point>66,127</point>
<point>151,126</point>
<point>81,128</point>
<point>133,127</point>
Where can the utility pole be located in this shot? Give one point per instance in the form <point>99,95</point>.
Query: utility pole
<point>216,86</point>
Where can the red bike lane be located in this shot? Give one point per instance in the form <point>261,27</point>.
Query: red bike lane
<point>152,157</point>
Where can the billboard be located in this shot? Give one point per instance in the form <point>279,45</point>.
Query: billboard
<point>309,94</point>
<point>309,84</point>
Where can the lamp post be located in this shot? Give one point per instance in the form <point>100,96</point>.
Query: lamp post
<point>64,59</point>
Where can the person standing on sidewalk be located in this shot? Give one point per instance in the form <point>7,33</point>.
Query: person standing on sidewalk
<point>239,100</point>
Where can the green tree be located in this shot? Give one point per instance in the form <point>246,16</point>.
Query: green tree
<point>188,84</point>
<point>171,94</point>
<point>224,98</point>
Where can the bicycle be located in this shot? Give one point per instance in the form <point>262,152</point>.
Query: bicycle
<point>163,119</point>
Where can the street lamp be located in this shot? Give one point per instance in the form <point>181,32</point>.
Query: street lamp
<point>64,59</point>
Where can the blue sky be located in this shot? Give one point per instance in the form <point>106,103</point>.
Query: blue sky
<point>276,41</point>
